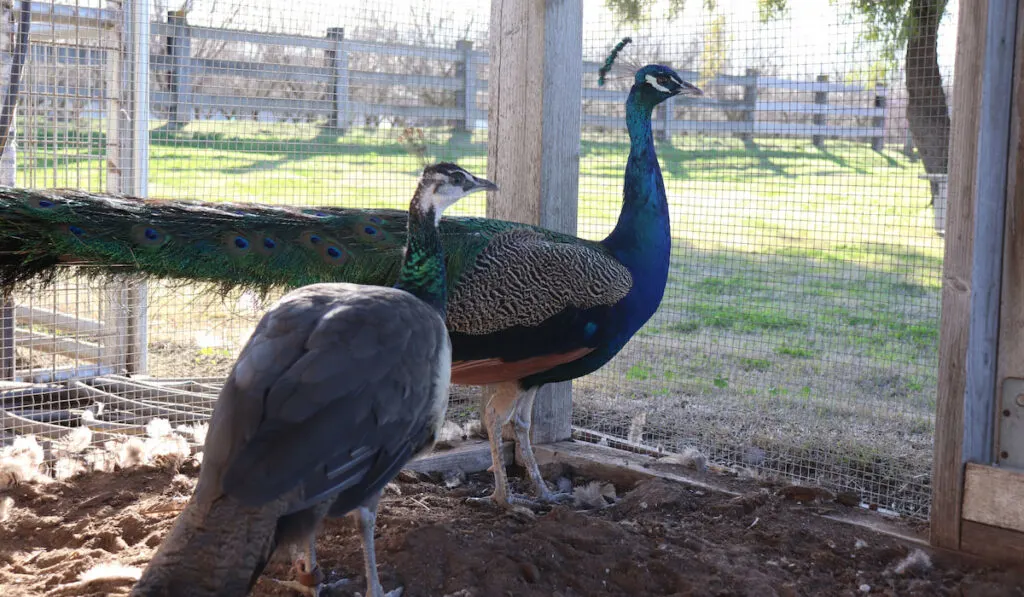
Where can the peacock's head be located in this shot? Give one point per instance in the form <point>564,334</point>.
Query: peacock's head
<point>659,82</point>
<point>442,184</point>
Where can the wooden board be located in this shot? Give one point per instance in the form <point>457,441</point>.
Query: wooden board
<point>992,543</point>
<point>994,496</point>
<point>471,457</point>
<point>947,465</point>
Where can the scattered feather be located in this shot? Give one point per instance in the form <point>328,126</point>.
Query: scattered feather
<point>74,442</point>
<point>592,496</point>
<point>916,562</point>
<point>110,571</point>
<point>66,467</point>
<point>157,428</point>
<point>131,452</point>
<point>690,458</point>
<point>6,507</point>
<point>636,427</point>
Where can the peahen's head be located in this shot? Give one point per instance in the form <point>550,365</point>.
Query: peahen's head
<point>442,184</point>
<point>656,83</point>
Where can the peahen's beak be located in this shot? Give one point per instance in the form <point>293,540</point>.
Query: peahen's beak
<point>482,184</point>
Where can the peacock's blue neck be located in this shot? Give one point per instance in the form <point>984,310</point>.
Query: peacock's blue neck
<point>642,238</point>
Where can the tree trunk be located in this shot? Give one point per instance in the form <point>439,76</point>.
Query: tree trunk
<point>927,110</point>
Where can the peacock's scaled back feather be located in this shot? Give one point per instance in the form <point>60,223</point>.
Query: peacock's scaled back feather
<point>248,246</point>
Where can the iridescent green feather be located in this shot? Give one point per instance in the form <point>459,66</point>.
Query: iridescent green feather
<point>231,245</point>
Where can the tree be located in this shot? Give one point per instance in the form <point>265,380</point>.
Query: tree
<point>910,27</point>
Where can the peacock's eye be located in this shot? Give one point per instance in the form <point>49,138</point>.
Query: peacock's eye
<point>663,80</point>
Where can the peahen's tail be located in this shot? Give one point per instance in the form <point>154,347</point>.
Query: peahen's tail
<point>219,549</point>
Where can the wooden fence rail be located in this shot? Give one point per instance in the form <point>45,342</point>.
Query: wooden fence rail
<point>328,88</point>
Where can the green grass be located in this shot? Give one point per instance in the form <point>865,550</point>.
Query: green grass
<point>804,282</point>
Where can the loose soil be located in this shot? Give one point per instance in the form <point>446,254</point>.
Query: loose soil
<point>657,538</point>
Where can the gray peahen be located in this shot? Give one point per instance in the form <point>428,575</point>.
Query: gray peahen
<point>339,386</point>
<point>528,306</point>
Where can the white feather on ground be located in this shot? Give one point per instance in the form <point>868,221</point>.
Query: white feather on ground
<point>690,458</point>
<point>20,462</point>
<point>594,495</point>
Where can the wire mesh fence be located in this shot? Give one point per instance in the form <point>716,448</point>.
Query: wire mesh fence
<point>798,335</point>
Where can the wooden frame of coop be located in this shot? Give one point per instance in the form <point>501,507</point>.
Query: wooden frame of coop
<point>978,471</point>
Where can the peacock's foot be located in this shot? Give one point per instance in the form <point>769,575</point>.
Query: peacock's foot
<point>554,497</point>
<point>519,505</point>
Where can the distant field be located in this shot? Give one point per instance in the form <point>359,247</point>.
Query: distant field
<point>799,333</point>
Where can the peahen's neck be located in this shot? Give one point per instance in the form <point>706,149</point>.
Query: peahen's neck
<point>642,237</point>
<point>423,271</point>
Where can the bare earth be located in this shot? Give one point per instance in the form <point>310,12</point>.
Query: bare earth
<point>659,538</point>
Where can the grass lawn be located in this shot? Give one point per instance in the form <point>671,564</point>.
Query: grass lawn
<point>799,332</point>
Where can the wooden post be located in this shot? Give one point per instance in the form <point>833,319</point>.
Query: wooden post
<point>979,155</point>
<point>337,59</point>
<point>750,101</point>
<point>820,97</point>
<point>664,132</point>
<point>465,70</point>
<point>535,101</point>
<point>126,344</point>
<point>179,48</point>
<point>878,122</point>
<point>8,167</point>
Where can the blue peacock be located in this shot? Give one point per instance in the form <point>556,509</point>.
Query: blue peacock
<point>527,306</point>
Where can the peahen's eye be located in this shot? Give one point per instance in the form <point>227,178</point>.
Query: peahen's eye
<point>458,178</point>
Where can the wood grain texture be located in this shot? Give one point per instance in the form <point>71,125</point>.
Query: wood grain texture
<point>992,543</point>
<point>535,101</point>
<point>471,457</point>
<point>992,496</point>
<point>947,467</point>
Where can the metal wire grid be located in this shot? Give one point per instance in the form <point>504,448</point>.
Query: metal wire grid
<point>246,105</point>
<point>798,336</point>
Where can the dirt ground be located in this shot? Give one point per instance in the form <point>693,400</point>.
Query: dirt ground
<point>657,538</point>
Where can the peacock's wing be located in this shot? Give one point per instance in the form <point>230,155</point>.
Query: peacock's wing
<point>531,301</point>
<point>337,388</point>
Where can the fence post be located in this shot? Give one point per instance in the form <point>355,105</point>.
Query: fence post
<point>533,149</point>
<point>820,97</point>
<point>664,133</point>
<point>8,165</point>
<point>878,122</point>
<point>337,59</point>
<point>750,100</point>
<point>465,70</point>
<point>126,344</point>
<point>179,49</point>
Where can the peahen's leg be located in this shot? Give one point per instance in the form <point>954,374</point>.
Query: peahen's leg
<point>522,419</point>
<point>307,573</point>
<point>366,515</point>
<point>498,411</point>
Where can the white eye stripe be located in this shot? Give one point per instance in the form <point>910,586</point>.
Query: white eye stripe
<point>653,82</point>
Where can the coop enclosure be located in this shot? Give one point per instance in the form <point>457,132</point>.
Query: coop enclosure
<point>799,333</point>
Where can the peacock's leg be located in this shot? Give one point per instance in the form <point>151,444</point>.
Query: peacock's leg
<point>522,419</point>
<point>498,412</point>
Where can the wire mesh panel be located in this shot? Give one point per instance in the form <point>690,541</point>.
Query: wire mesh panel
<point>798,333</point>
<point>321,104</point>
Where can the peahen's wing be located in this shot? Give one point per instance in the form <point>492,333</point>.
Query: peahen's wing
<point>337,388</point>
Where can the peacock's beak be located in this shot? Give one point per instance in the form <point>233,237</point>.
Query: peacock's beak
<point>687,88</point>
